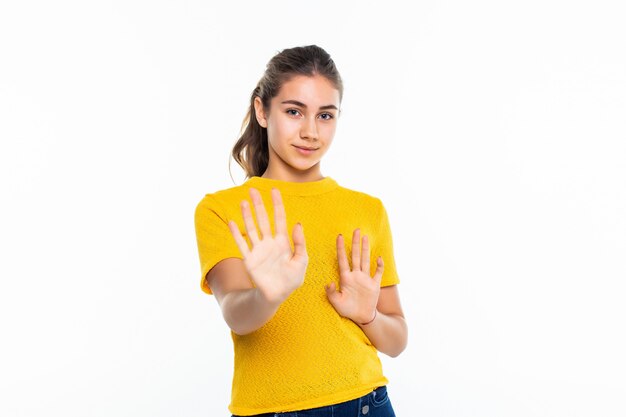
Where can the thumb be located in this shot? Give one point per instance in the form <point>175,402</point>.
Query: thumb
<point>332,293</point>
<point>380,266</point>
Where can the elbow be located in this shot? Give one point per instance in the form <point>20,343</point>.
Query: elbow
<point>395,349</point>
<point>242,330</point>
<point>396,353</point>
<point>239,331</point>
<point>238,328</point>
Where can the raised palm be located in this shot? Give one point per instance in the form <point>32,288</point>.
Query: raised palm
<point>274,267</point>
<point>357,296</point>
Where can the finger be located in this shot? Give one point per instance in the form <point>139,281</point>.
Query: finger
<point>299,244</point>
<point>365,254</point>
<point>280,218</point>
<point>342,258</point>
<point>239,240</point>
<point>248,221</point>
<point>356,250</point>
<point>261,214</point>
<point>380,267</point>
<point>332,293</point>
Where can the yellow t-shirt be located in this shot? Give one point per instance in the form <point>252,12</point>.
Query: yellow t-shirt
<point>307,355</point>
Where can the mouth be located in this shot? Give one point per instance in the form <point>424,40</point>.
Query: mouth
<point>303,150</point>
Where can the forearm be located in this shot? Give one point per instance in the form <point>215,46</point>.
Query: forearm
<point>388,333</point>
<point>247,310</point>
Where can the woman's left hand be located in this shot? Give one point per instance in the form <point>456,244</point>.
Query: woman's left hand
<point>357,297</point>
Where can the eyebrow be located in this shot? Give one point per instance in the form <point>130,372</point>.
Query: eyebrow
<point>298,103</point>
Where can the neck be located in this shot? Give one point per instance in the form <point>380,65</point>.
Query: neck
<point>292,175</point>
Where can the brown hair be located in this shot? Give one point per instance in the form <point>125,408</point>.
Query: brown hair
<point>251,151</point>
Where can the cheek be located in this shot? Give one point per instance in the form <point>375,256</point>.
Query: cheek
<point>281,129</point>
<point>274,135</point>
<point>329,132</point>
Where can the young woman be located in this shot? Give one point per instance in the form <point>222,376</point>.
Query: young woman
<point>307,314</point>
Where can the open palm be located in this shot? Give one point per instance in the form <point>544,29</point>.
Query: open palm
<point>357,296</point>
<point>274,267</point>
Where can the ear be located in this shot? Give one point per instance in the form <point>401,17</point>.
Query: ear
<point>259,113</point>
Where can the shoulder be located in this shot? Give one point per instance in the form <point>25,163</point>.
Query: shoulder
<point>360,198</point>
<point>219,201</point>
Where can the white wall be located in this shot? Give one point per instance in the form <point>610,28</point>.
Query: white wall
<point>493,131</point>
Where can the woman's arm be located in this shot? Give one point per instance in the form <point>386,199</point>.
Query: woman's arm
<point>388,331</point>
<point>244,308</point>
<point>361,299</point>
<point>249,291</point>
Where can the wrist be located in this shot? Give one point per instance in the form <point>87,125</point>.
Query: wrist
<point>269,300</point>
<point>371,320</point>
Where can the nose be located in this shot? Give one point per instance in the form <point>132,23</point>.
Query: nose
<point>309,129</point>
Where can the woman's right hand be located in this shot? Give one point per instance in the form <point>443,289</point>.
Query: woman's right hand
<point>275,269</point>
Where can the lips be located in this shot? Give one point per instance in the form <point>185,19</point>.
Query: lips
<point>305,148</point>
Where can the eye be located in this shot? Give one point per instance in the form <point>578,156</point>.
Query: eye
<point>327,116</point>
<point>293,112</point>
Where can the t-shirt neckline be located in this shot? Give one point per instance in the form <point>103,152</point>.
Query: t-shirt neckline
<point>293,188</point>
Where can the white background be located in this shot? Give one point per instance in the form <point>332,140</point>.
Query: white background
<point>494,132</point>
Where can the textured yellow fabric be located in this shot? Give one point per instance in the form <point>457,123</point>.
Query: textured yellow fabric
<point>307,355</point>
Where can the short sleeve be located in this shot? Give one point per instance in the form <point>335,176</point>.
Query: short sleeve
<point>384,248</point>
<point>215,242</point>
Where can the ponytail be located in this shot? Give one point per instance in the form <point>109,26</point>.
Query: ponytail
<point>251,151</point>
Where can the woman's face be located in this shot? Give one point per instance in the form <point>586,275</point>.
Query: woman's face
<point>300,127</point>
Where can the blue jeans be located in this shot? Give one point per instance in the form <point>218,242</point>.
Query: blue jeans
<point>374,404</point>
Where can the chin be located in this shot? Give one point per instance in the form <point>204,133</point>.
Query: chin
<point>304,168</point>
